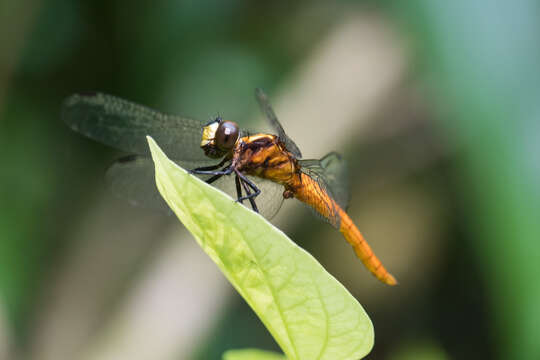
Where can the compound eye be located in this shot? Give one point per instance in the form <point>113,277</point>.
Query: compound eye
<point>226,135</point>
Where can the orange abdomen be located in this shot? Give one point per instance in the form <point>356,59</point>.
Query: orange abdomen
<point>310,192</point>
<point>363,250</point>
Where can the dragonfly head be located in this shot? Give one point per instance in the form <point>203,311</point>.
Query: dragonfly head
<point>219,137</point>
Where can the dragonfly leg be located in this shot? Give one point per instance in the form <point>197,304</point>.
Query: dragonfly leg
<point>213,178</point>
<point>238,188</point>
<point>249,197</point>
<point>211,167</point>
<point>216,174</point>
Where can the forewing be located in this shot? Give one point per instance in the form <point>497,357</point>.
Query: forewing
<point>331,174</point>
<point>132,178</point>
<point>266,108</point>
<point>123,124</point>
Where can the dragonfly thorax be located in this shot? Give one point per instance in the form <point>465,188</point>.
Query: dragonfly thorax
<point>265,156</point>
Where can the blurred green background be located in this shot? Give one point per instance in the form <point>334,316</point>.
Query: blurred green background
<point>435,104</point>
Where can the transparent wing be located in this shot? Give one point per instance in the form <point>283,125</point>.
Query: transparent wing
<point>331,174</point>
<point>132,178</point>
<point>320,200</point>
<point>264,103</point>
<point>124,125</point>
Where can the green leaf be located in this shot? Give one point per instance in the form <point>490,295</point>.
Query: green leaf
<point>307,311</point>
<point>252,354</point>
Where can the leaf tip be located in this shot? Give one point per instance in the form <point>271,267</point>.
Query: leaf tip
<point>154,148</point>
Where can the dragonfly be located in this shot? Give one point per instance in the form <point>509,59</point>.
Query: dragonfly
<point>266,168</point>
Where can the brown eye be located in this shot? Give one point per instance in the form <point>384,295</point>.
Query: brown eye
<point>226,135</point>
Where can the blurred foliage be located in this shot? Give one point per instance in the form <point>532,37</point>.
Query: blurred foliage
<point>477,66</point>
<point>422,350</point>
<point>248,354</point>
<point>485,58</point>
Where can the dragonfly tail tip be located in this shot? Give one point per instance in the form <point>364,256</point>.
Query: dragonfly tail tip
<point>390,280</point>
